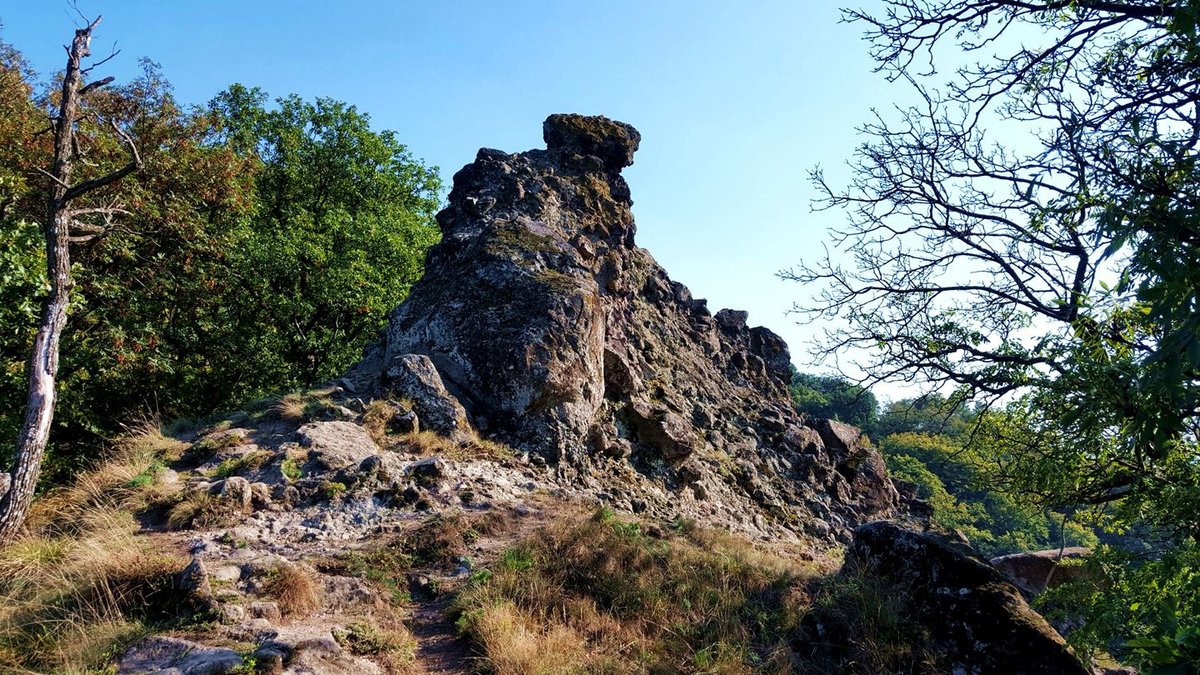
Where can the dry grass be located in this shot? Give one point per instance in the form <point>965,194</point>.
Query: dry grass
<point>378,414</point>
<point>599,595</point>
<point>126,480</point>
<point>385,640</point>
<point>298,407</point>
<point>80,582</point>
<point>251,461</point>
<point>66,600</point>
<point>294,588</point>
<point>428,443</point>
<point>517,643</point>
<point>197,509</point>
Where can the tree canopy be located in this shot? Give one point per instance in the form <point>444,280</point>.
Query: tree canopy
<point>277,236</point>
<point>1026,235</point>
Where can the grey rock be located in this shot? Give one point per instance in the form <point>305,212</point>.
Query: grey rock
<point>414,376</point>
<point>336,445</point>
<point>175,656</point>
<point>542,324</point>
<point>235,492</point>
<point>265,609</point>
<point>976,620</point>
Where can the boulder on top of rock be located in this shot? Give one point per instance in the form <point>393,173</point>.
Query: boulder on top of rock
<point>978,622</point>
<point>613,142</point>
<point>1035,571</point>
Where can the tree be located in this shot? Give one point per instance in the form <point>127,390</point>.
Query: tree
<point>835,398</point>
<point>1027,235</point>
<point>218,264</point>
<point>338,234</point>
<point>64,224</point>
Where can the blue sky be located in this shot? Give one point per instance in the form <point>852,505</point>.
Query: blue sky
<point>736,101</point>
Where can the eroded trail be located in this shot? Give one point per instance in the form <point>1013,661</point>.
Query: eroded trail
<point>439,648</point>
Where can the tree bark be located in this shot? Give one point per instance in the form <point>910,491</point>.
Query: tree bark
<point>18,485</point>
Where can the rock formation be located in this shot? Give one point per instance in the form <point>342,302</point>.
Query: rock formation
<point>541,321</point>
<point>977,622</point>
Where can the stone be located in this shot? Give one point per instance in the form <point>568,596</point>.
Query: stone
<point>977,621</point>
<point>612,142</point>
<point>176,656</point>
<point>260,495</point>
<point>235,492</point>
<point>226,573</point>
<point>195,590</point>
<point>265,609</point>
<point>1035,571</point>
<point>405,421</point>
<point>336,445</point>
<point>428,471</point>
<point>672,435</point>
<point>414,376</point>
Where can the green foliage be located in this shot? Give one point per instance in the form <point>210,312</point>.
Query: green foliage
<point>1152,604</point>
<point>338,234</point>
<point>932,414</point>
<point>1057,280</point>
<point>260,250</point>
<point>958,484</point>
<point>835,398</point>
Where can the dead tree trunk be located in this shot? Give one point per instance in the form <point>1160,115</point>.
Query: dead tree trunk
<point>17,486</point>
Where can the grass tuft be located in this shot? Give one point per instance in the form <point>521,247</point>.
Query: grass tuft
<point>294,588</point>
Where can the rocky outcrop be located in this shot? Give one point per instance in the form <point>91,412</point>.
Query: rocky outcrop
<point>557,335</point>
<point>977,622</point>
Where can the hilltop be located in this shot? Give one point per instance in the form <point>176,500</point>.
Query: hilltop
<point>553,459</point>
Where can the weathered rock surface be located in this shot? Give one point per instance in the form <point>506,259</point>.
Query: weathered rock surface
<point>977,621</point>
<point>175,656</point>
<point>557,335</point>
<point>1036,571</point>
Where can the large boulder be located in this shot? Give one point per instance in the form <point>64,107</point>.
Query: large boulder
<point>1036,571</point>
<point>541,320</point>
<point>413,376</point>
<point>977,621</point>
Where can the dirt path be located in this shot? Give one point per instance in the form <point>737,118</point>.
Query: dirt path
<point>439,649</point>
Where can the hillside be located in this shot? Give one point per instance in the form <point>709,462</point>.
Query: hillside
<point>554,459</point>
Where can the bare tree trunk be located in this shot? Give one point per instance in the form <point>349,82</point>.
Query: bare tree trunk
<point>18,485</point>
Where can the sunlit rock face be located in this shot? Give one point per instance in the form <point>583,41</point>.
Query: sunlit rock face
<point>561,337</point>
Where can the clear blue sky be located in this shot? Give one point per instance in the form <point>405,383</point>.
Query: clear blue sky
<point>735,100</point>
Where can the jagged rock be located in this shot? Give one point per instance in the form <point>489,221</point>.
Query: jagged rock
<point>978,622</point>
<point>175,656</point>
<point>195,590</point>
<point>562,338</point>
<point>336,445</point>
<point>1035,571</point>
<point>235,492</point>
<point>612,142</point>
<point>413,376</point>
